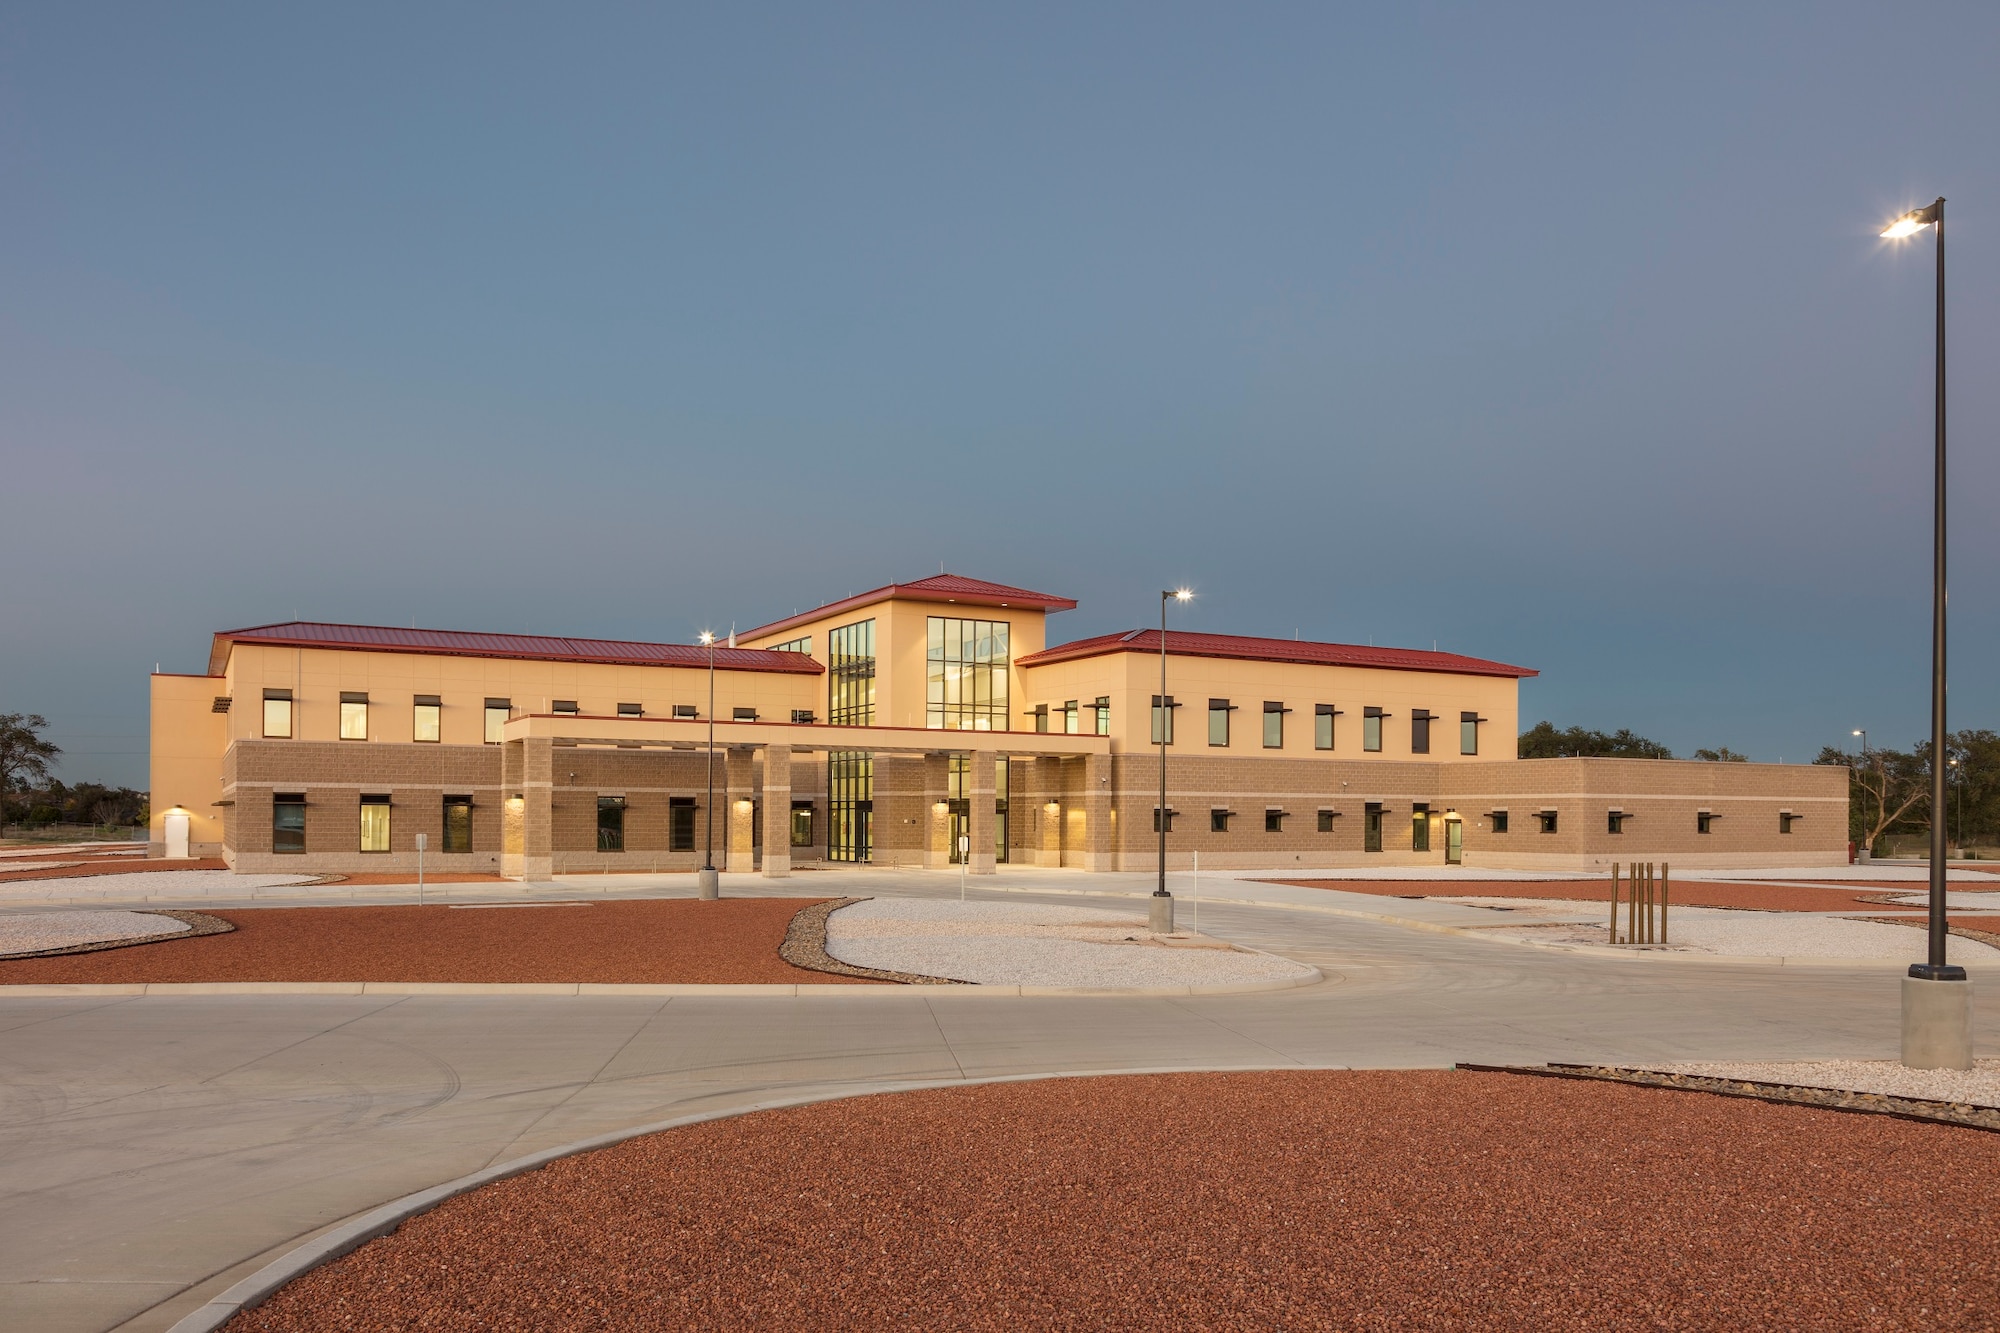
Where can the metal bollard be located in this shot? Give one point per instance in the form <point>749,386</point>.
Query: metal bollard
<point>1614,902</point>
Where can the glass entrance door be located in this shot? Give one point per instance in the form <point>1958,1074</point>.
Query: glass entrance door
<point>1454,840</point>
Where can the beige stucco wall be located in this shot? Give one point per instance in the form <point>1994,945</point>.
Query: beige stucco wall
<point>187,741</point>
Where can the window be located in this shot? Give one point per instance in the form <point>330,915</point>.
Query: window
<point>424,718</point>
<point>1499,818</point>
<point>804,645</point>
<point>1704,822</point>
<point>966,678</point>
<point>804,715</point>
<point>288,821</point>
<point>743,714</point>
<point>1218,721</point>
<point>353,717</point>
<point>1103,710</point>
<point>1420,828</point>
<point>1218,821</point>
<point>611,823</point>
<point>687,712</point>
<point>802,823</point>
<point>1274,725</point>
<point>631,710</point>
<point>1468,733</point>
<point>457,824</point>
<point>278,714</point>
<point>1371,729</point>
<point>850,675</point>
<point>374,823</point>
<point>563,707</point>
<point>1041,716</point>
<point>850,805</point>
<point>680,823</point>
<point>1326,818</point>
<point>497,712</point>
<point>1547,820</point>
<point>1163,719</point>
<point>1171,812</point>
<point>1070,717</point>
<point>1614,821</point>
<point>1785,821</point>
<point>1371,827</point>
<point>1420,732</point>
<point>1323,716</point>
<point>1274,820</point>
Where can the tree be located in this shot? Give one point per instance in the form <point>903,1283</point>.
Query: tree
<point>1723,756</point>
<point>1885,788</point>
<point>1543,741</point>
<point>24,755</point>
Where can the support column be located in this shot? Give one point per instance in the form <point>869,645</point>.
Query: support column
<point>1099,846</point>
<point>513,812</point>
<point>979,793</point>
<point>739,806</point>
<point>538,814</point>
<point>777,811</point>
<point>1047,796</point>
<point>937,813</point>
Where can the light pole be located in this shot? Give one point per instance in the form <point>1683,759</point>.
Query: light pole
<point>707,883</point>
<point>1937,998</point>
<point>1868,851</point>
<point>1161,916</point>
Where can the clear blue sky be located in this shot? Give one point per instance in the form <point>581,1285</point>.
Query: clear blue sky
<point>1555,334</point>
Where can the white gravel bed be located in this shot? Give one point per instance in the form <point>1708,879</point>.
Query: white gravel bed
<point>1021,944</point>
<point>31,932</point>
<point>1721,930</point>
<point>1979,1085</point>
<point>142,885</point>
<point>37,865</point>
<point>1988,901</point>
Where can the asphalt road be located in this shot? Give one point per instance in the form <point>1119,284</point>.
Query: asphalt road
<point>155,1150</point>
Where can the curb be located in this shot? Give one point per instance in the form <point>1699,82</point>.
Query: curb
<point>636,989</point>
<point>261,1285</point>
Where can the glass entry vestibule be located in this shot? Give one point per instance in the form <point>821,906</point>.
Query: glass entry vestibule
<point>958,801</point>
<point>850,804</point>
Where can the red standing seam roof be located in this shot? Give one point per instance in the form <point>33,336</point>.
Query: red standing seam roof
<point>1183,643</point>
<point>530,647</point>
<point>936,588</point>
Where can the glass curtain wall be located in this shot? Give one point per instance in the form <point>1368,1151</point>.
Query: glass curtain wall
<point>850,793</point>
<point>959,801</point>
<point>850,675</point>
<point>967,685</point>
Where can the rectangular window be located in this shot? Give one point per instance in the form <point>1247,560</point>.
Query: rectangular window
<point>1420,828</point>
<point>804,645</point>
<point>288,821</point>
<point>1371,729</point>
<point>1070,717</point>
<point>966,665</point>
<point>631,710</point>
<point>497,713</point>
<point>1218,721</point>
<point>1704,822</point>
<point>1274,725</point>
<point>1785,820</point>
<point>680,823</point>
<point>1163,719</point>
<point>353,717</point>
<point>1218,821</point>
<point>425,715</point>
<point>1041,716</point>
<point>803,715</point>
<point>1326,818</point>
<point>1323,716</point>
<point>1274,820</point>
<point>457,824</point>
<point>564,707</point>
<point>1170,819</point>
<point>374,823</point>
<point>1468,733</point>
<point>611,823</point>
<point>850,675</point>
<point>1102,708</point>
<point>1614,821</point>
<point>1499,818</point>
<point>1371,827</point>
<point>278,714</point>
<point>743,714</point>
<point>802,823</point>
<point>687,712</point>
<point>1547,820</point>
<point>1420,732</point>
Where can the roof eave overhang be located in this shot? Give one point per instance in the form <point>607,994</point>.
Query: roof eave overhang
<point>219,654</point>
<point>1050,656</point>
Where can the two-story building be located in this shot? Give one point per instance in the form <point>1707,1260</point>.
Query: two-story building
<point>912,725</point>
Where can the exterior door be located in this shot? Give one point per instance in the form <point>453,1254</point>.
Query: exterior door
<point>176,830</point>
<point>1454,842</point>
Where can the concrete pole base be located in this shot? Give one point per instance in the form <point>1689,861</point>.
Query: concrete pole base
<point>1160,914</point>
<point>1937,1024</point>
<point>708,884</point>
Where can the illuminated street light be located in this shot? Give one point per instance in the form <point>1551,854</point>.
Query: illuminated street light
<point>1161,917</point>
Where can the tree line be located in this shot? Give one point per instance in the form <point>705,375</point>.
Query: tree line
<point>30,792</point>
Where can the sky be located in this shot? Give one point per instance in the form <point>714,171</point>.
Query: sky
<point>1556,334</point>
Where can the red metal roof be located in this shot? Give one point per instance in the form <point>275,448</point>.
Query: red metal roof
<point>1181,643</point>
<point>533,647</point>
<point>936,588</point>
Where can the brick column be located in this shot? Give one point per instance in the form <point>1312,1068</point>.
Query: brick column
<point>937,816</point>
<point>538,815</point>
<point>739,850</point>
<point>777,811</point>
<point>1098,850</point>
<point>979,792</point>
<point>1048,793</point>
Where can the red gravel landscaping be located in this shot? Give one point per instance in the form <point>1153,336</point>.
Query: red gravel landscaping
<point>1293,1200</point>
<point>651,941</point>
<point>1683,893</point>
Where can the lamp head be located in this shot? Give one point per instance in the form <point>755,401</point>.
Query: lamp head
<point>1914,221</point>
<point>1184,594</point>
<point>707,637</point>
<point>1857,731</point>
